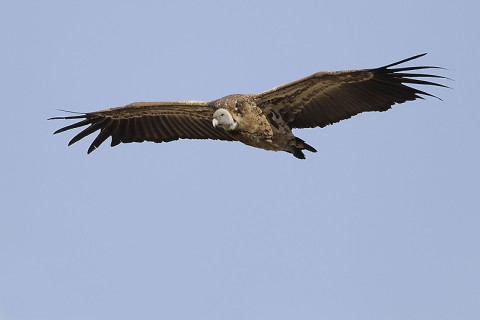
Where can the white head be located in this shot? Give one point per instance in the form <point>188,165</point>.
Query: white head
<point>223,119</point>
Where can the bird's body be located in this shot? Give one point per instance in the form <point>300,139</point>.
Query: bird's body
<point>262,120</point>
<point>256,127</point>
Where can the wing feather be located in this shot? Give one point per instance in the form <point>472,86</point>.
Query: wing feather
<point>147,121</point>
<point>89,130</point>
<point>102,136</point>
<point>325,98</point>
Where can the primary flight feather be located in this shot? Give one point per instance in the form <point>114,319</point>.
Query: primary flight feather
<point>262,120</point>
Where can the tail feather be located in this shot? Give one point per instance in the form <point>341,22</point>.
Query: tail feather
<point>301,145</point>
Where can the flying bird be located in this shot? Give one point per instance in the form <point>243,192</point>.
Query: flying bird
<point>263,120</point>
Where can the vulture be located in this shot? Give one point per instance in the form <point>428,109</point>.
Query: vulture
<point>263,120</point>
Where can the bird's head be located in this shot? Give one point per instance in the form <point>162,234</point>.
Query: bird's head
<point>223,119</point>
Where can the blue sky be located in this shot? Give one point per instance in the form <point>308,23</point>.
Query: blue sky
<point>381,223</point>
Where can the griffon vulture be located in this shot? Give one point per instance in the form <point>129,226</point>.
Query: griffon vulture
<point>263,120</point>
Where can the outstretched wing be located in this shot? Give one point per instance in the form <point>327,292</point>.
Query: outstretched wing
<point>148,121</point>
<point>328,97</point>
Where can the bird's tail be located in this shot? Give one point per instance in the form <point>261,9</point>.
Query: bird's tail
<point>299,146</point>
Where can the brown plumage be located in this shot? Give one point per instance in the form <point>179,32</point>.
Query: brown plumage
<point>262,120</point>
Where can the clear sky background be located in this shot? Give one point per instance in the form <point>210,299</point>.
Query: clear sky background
<point>382,223</point>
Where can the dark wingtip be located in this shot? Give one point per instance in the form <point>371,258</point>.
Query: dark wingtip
<point>80,115</point>
<point>91,149</point>
<point>405,60</point>
<point>408,75</point>
<point>75,125</point>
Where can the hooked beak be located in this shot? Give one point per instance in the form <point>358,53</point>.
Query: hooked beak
<point>215,123</point>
